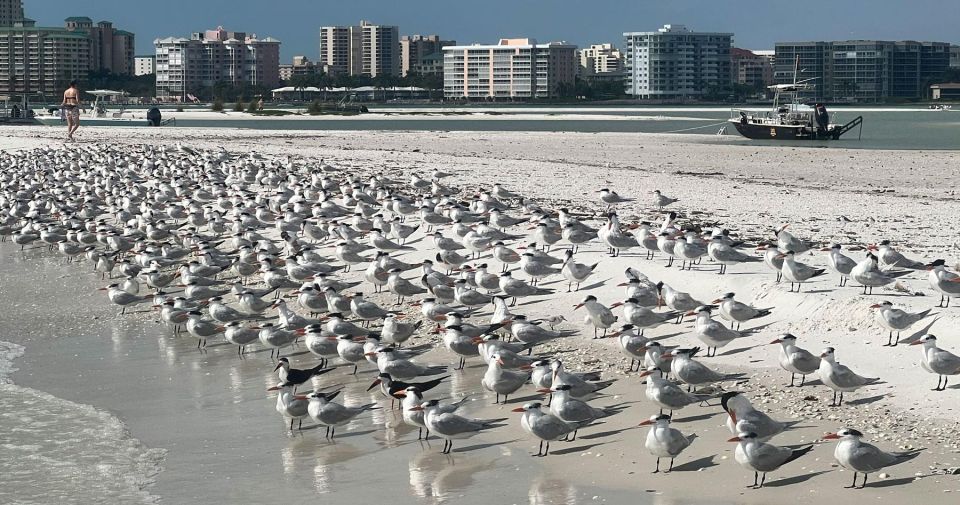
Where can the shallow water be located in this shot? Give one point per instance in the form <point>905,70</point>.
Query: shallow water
<point>208,418</point>
<point>883,128</point>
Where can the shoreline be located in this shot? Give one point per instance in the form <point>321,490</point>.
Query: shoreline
<point>745,196</point>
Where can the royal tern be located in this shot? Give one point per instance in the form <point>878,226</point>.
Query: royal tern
<point>693,373</point>
<point>738,312</point>
<point>795,359</point>
<point>894,319</point>
<point>660,200</point>
<point>945,282</point>
<point>743,417</point>
<point>501,381</point>
<point>575,273</point>
<point>726,255</point>
<point>869,275</point>
<point>573,411</point>
<point>288,405</point>
<point>666,394</point>
<point>762,457</point>
<point>599,315</point>
<point>840,263</point>
<point>326,412</point>
<point>797,272</point>
<point>838,377</point>
<point>854,454</point>
<point>546,427</point>
<point>665,442</point>
<point>936,360</point>
<point>450,426</point>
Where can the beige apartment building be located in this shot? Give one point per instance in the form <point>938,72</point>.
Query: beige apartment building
<point>185,66</point>
<point>364,50</point>
<point>510,69</point>
<point>601,60</point>
<point>111,49</point>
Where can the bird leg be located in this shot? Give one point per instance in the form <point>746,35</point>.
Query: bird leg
<point>803,378</point>
<point>755,476</point>
<point>671,466</point>
<point>657,470</point>
<point>897,341</point>
<point>548,449</point>
<point>841,400</point>
<point>779,276</point>
<point>792,377</point>
<point>854,485</point>
<point>763,479</point>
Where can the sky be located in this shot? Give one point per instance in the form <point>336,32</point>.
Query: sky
<point>755,24</point>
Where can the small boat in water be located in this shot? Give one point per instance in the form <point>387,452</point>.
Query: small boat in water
<point>789,119</point>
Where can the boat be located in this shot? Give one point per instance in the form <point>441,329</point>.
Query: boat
<point>940,107</point>
<point>99,113</point>
<point>17,113</point>
<point>789,119</point>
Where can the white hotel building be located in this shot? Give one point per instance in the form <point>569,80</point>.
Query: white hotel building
<point>513,68</point>
<point>676,63</point>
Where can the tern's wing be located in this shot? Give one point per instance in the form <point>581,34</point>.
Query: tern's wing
<point>673,395</point>
<point>867,457</point>
<point>804,360</point>
<point>452,424</point>
<point>844,377</point>
<point>769,457</point>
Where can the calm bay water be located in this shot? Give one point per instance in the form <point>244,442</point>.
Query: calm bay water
<point>883,128</point>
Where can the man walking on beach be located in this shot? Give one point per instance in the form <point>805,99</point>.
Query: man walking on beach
<point>71,109</point>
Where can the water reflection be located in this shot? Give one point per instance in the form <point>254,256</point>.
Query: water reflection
<point>552,491</point>
<point>440,476</point>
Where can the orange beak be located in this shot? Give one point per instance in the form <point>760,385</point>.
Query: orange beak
<point>577,306</point>
<point>647,423</point>
<point>734,439</point>
<point>777,341</point>
<point>299,397</point>
<point>616,304</point>
<point>518,409</point>
<point>918,342</point>
<point>831,436</point>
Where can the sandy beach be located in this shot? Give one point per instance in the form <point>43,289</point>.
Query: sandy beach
<point>194,425</point>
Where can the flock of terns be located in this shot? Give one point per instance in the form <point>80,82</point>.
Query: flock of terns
<point>260,250</point>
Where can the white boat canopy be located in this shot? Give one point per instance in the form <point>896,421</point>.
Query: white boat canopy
<point>107,92</point>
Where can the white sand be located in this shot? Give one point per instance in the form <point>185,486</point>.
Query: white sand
<point>906,196</point>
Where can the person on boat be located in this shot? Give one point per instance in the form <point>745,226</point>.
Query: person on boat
<point>71,108</point>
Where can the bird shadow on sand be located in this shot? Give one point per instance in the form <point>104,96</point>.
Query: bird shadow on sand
<point>919,333</point>
<point>698,417</point>
<point>476,447</point>
<point>601,434</point>
<point>668,335</point>
<point>892,482</point>
<point>868,400</point>
<point>595,285</point>
<point>581,448</point>
<point>731,352</point>
<point>695,465</point>
<point>796,479</point>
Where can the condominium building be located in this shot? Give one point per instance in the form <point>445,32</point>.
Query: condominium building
<point>954,56</point>
<point>144,65</point>
<point>41,59</point>
<point>301,66</point>
<point>185,66</point>
<point>367,49</point>
<point>510,69</point>
<point>601,60</point>
<point>750,69</point>
<point>862,70</point>
<point>11,12</point>
<point>676,63</point>
<point>413,49</point>
<point>111,50</point>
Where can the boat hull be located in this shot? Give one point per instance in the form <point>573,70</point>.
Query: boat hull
<point>782,132</point>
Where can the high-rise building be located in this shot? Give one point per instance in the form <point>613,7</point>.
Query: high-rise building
<point>749,68</point>
<point>111,50</point>
<point>676,63</point>
<point>184,66</point>
<point>144,65</point>
<point>862,70</point>
<point>513,68</point>
<point>414,48</point>
<point>601,60</point>
<point>364,50</point>
<point>11,12</point>
<point>41,60</point>
<point>954,56</point>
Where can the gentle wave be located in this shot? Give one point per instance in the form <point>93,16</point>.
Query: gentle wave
<point>58,451</point>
